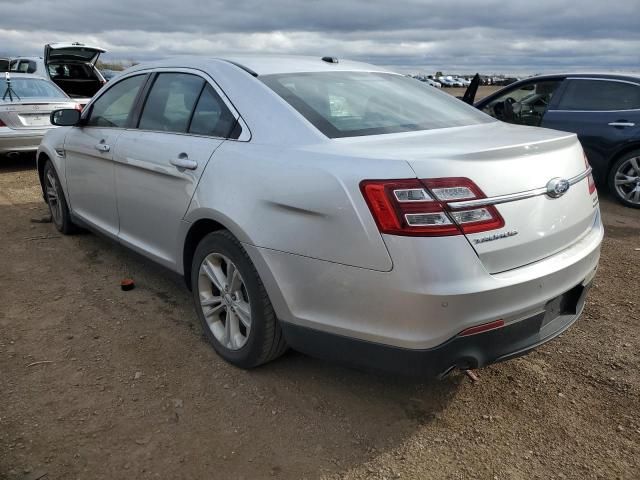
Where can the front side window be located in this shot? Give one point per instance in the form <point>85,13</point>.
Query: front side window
<point>600,95</point>
<point>211,116</point>
<point>348,104</point>
<point>525,105</point>
<point>113,107</point>
<point>170,102</point>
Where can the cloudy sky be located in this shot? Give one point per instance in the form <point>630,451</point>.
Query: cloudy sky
<point>507,36</point>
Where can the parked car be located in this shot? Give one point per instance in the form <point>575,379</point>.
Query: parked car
<point>25,104</point>
<point>434,83</point>
<point>71,66</point>
<point>448,82</point>
<point>462,81</point>
<point>603,109</point>
<point>333,207</point>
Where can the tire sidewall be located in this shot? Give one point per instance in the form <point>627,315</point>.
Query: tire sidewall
<point>219,242</point>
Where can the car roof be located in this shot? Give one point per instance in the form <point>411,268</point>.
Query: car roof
<point>268,64</point>
<point>613,75</point>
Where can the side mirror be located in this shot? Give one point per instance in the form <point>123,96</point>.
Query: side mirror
<point>67,117</point>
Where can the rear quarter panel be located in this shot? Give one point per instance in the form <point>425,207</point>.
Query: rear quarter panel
<point>296,201</point>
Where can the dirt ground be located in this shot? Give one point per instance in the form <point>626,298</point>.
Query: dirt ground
<point>96,383</point>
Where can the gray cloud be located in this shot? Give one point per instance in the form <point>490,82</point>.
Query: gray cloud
<point>509,36</point>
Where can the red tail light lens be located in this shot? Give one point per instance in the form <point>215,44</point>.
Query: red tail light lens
<point>421,207</point>
<point>592,183</point>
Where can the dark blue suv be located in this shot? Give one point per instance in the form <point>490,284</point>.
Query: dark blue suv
<point>603,109</point>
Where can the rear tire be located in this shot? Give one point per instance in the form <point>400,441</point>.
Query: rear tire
<point>624,179</point>
<point>232,304</point>
<point>56,201</point>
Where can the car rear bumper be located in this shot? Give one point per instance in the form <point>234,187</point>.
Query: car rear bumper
<point>436,289</point>
<point>461,352</point>
<point>16,141</point>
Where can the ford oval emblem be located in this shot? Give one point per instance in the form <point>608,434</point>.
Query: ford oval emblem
<point>557,187</point>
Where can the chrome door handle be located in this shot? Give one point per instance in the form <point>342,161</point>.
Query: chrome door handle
<point>622,124</point>
<point>101,147</point>
<point>183,162</point>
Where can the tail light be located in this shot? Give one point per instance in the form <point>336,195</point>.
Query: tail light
<point>592,183</point>
<point>421,207</point>
<point>2,124</point>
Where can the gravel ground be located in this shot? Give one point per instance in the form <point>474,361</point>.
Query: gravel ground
<point>97,383</point>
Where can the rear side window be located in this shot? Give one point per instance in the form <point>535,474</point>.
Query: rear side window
<point>600,95</point>
<point>113,107</point>
<point>23,66</point>
<point>170,102</point>
<point>211,116</point>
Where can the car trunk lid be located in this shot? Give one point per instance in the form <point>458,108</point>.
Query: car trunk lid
<point>30,114</point>
<point>71,52</point>
<point>502,160</point>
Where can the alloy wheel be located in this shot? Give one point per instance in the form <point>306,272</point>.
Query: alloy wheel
<point>224,301</point>
<point>627,180</point>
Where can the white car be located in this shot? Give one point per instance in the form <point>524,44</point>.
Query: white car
<point>26,102</point>
<point>71,66</point>
<point>333,207</point>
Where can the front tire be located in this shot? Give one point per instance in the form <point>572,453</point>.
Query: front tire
<point>232,304</point>
<point>624,179</point>
<point>56,201</point>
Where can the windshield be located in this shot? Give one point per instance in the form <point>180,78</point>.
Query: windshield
<point>348,104</point>
<point>30,88</point>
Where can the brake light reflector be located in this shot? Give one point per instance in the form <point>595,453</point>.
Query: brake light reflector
<point>485,327</point>
<point>415,207</point>
<point>592,183</point>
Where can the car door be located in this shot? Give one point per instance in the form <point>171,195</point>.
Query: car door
<point>159,163</point>
<point>88,150</point>
<point>525,103</point>
<point>603,112</point>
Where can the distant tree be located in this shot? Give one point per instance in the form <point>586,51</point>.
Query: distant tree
<point>438,74</point>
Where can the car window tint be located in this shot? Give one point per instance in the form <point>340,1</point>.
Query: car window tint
<point>211,116</point>
<point>594,95</point>
<point>348,104</point>
<point>524,105</point>
<point>170,102</point>
<point>113,107</point>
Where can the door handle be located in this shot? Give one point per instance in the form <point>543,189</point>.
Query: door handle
<point>622,124</point>
<point>182,161</point>
<point>102,147</point>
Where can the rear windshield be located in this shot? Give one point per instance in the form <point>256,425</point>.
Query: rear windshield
<point>349,104</point>
<point>30,88</point>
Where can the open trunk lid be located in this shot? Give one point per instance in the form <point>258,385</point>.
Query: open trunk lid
<point>71,52</point>
<point>503,160</point>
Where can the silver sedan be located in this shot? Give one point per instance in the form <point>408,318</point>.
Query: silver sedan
<point>333,207</point>
<point>25,104</point>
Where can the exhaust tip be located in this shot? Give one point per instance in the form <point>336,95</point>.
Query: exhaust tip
<point>13,155</point>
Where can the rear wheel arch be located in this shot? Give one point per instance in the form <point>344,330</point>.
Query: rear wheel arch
<point>628,148</point>
<point>196,233</point>
<point>40,163</point>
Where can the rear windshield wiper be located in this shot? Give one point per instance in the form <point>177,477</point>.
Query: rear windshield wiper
<point>9,91</point>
